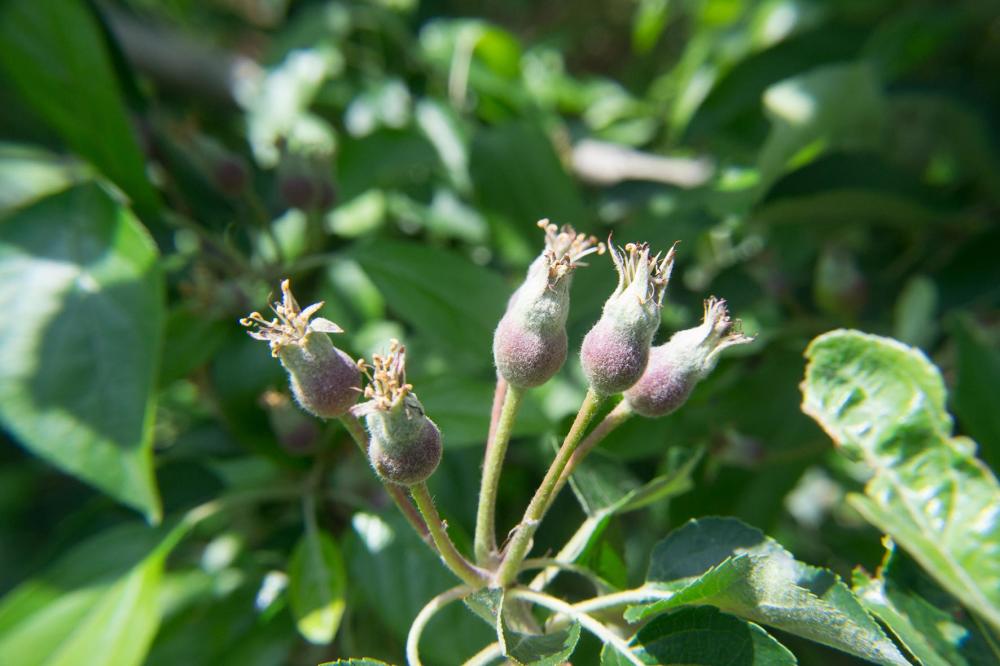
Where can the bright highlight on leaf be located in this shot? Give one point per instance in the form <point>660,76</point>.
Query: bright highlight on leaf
<point>883,403</point>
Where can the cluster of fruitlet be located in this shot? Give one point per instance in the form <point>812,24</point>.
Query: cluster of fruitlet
<point>530,346</point>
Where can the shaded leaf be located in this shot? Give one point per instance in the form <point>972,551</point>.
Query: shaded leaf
<point>884,403</point>
<point>452,302</point>
<point>316,586</point>
<point>727,564</point>
<point>54,53</point>
<point>702,636</point>
<point>929,633</point>
<point>78,370</point>
<point>978,366</point>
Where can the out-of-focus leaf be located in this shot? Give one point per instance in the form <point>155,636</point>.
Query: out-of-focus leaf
<point>387,560</point>
<point>27,173</point>
<point>978,365</point>
<point>725,563</point>
<point>316,587</point>
<point>930,634</point>
<point>97,605</point>
<point>883,403</point>
<point>808,120</point>
<point>363,163</point>
<point>914,315</point>
<point>54,53</point>
<point>647,26</point>
<point>77,370</point>
<point>702,636</point>
<point>452,302</point>
<point>480,58</point>
<point>277,102</point>
<point>517,174</point>
<point>443,128</point>
<point>191,338</point>
<point>461,408</point>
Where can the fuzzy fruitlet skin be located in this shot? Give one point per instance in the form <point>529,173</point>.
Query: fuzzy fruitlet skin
<point>407,463</point>
<point>528,358</point>
<point>612,359</point>
<point>325,381</point>
<point>664,386</point>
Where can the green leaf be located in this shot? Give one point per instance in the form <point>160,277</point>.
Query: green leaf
<point>929,633</point>
<point>517,174</point>
<point>807,119</point>
<point>702,636</point>
<point>316,586</point>
<point>97,605</point>
<point>395,574</point>
<point>978,365</point>
<point>78,370</point>
<point>355,662</point>
<point>453,303</point>
<point>28,173</point>
<point>884,403</point>
<point>53,52</point>
<point>548,649</point>
<point>604,487</point>
<point>727,564</point>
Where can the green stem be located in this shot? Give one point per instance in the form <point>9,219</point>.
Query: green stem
<point>425,615</point>
<point>453,559</point>
<point>533,515</point>
<point>496,450</point>
<point>617,416</point>
<point>397,493</point>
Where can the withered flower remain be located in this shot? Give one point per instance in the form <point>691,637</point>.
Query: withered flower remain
<point>324,380</point>
<point>530,342</point>
<point>677,366</point>
<point>615,351</point>
<point>405,445</point>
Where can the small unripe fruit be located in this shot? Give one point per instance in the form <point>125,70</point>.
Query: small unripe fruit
<point>615,351</point>
<point>677,366</point>
<point>530,342</point>
<point>324,380</point>
<point>298,191</point>
<point>406,463</point>
<point>405,445</point>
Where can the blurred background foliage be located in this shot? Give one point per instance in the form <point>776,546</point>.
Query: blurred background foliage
<point>823,164</point>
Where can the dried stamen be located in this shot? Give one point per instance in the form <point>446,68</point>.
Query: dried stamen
<point>291,323</point>
<point>386,377</point>
<point>634,263</point>
<point>565,247</point>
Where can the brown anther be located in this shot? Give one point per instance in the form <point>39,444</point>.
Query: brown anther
<point>291,323</point>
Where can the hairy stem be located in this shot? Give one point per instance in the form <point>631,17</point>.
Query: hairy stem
<point>521,541</point>
<point>397,493</point>
<point>453,559</point>
<point>496,450</point>
<point>499,395</point>
<point>617,416</point>
<point>606,635</point>
<point>425,615</point>
<point>623,598</point>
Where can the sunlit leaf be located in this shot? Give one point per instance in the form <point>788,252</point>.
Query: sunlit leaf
<point>80,278</point>
<point>727,564</point>
<point>883,403</point>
